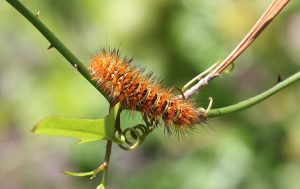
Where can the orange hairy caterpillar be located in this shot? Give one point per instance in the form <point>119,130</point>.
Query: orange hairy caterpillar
<point>127,84</point>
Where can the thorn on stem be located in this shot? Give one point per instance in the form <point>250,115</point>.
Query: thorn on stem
<point>50,47</point>
<point>279,79</point>
<point>76,66</point>
<point>38,13</point>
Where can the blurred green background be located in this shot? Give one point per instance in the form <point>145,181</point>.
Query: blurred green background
<point>256,148</point>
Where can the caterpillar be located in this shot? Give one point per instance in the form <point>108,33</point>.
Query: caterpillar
<point>136,90</point>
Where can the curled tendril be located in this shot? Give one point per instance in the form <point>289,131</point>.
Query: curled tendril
<point>134,136</point>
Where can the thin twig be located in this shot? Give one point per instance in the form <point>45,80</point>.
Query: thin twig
<point>106,161</point>
<point>200,76</point>
<point>254,100</point>
<point>271,12</point>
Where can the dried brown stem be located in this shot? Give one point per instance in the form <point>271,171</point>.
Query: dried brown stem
<point>271,12</point>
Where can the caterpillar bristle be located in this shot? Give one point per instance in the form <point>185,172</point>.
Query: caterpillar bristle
<point>136,90</point>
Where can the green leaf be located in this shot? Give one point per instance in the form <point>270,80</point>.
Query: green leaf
<point>86,130</point>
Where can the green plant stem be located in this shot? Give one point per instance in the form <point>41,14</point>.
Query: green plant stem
<point>54,41</point>
<point>106,161</point>
<point>254,100</point>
